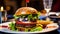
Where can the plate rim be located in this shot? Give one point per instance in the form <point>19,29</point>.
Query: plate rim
<point>27,32</point>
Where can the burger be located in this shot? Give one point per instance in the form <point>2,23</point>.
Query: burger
<point>26,18</point>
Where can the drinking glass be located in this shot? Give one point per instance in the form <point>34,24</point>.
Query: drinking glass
<point>47,5</point>
<point>4,16</point>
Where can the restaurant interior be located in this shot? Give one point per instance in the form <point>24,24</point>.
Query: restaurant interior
<point>48,10</point>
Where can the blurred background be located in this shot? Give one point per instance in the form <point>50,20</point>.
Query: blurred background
<point>12,5</point>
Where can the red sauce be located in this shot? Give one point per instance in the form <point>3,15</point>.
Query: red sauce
<point>51,26</point>
<point>4,26</point>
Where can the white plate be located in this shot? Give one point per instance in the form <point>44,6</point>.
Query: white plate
<point>18,32</point>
